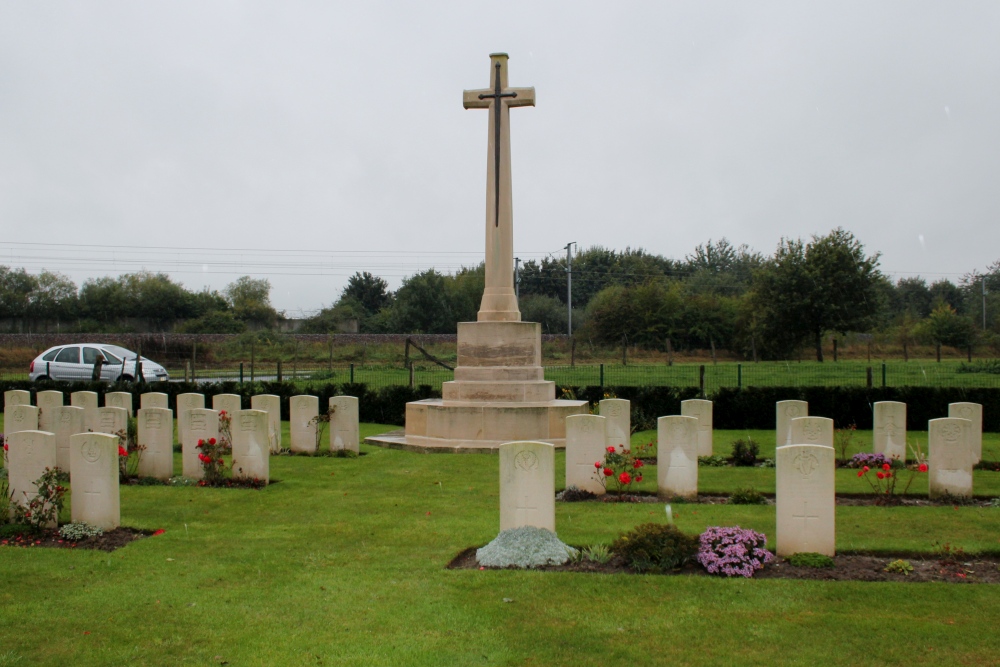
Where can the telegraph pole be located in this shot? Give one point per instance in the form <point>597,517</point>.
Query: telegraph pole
<point>984,303</point>
<point>569,286</point>
<point>517,277</point>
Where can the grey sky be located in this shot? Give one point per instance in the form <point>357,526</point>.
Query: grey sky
<point>338,130</point>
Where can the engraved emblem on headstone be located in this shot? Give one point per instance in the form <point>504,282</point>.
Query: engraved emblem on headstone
<point>806,463</point>
<point>18,415</point>
<point>812,432</point>
<point>246,422</point>
<point>615,410</point>
<point>197,422</point>
<point>91,451</point>
<point>965,412</point>
<point>587,426</point>
<point>952,432</point>
<point>793,411</point>
<point>65,418</point>
<point>526,460</point>
<point>116,401</point>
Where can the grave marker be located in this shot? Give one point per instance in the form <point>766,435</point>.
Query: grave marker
<point>805,499</point>
<point>785,411</point>
<point>270,404</point>
<point>112,421</point>
<point>811,431</point>
<point>16,397</point>
<point>93,470</point>
<point>950,457</point>
<point>69,422</point>
<point>156,433</point>
<point>974,413</point>
<point>585,443</point>
<point>228,402</point>
<point>186,402</point>
<point>618,421</point>
<point>88,401</point>
<point>527,485</point>
<point>303,412</point>
<point>702,411</point>
<point>889,429</point>
<point>200,424</point>
<point>47,402</point>
<point>677,447</point>
<point>251,445</point>
<point>154,399</point>
<point>344,423</point>
<point>119,399</point>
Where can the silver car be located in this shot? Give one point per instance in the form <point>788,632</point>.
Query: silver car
<point>76,363</point>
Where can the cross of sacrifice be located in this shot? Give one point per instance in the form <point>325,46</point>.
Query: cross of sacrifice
<point>805,516</point>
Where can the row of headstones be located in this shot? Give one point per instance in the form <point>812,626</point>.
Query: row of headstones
<point>954,443</point>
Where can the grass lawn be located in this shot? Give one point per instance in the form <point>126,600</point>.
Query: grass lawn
<point>342,563</point>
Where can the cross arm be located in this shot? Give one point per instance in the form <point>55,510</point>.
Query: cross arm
<point>525,98</point>
<point>470,99</point>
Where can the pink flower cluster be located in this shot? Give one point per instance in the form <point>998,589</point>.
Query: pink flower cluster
<point>733,551</point>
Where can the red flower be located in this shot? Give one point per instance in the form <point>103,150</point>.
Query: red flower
<point>611,450</point>
<point>886,466</point>
<point>211,441</point>
<point>158,531</point>
<point>860,473</point>
<point>6,447</point>
<point>639,463</point>
<point>222,413</point>
<point>922,467</point>
<point>220,461</point>
<point>608,472</point>
<point>625,478</point>
<point>881,475</point>
<point>638,478</point>
<point>597,464</point>
<point>122,451</point>
<point>866,469</point>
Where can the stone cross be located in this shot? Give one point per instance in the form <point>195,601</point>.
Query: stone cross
<point>499,302</point>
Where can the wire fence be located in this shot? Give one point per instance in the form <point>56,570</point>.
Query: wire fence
<point>712,377</point>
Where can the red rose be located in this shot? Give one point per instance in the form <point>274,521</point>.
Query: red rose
<point>222,413</point>
<point>201,443</point>
<point>866,469</point>
<point>881,475</point>
<point>211,441</point>
<point>220,461</point>
<point>597,464</point>
<point>625,478</point>
<point>860,473</point>
<point>608,472</point>
<point>6,447</point>
<point>639,463</point>
<point>122,451</point>
<point>886,466</point>
<point>638,478</point>
<point>922,467</point>
<point>611,450</point>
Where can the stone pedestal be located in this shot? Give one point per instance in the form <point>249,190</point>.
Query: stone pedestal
<point>499,395</point>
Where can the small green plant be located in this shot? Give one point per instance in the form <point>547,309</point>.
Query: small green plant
<point>745,452</point>
<point>747,496</point>
<point>809,559</point>
<point>655,547</point>
<point>597,553</point>
<point>714,461</point>
<point>573,494</point>
<point>43,508</point>
<point>345,453</point>
<point>322,422</point>
<point>79,531</point>
<point>899,567</point>
<point>843,440</point>
<point>766,463</point>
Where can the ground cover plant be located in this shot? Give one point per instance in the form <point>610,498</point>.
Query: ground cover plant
<point>343,563</point>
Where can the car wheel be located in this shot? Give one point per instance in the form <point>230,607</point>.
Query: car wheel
<point>42,378</point>
<point>125,378</point>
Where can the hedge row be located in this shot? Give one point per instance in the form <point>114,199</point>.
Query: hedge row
<point>750,408</point>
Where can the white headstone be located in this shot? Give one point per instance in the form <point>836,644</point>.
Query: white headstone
<point>617,413</point>
<point>889,429</point>
<point>702,411</point>
<point>93,471</point>
<point>270,404</point>
<point>69,422</point>
<point>111,421</point>
<point>186,402</point>
<point>950,457</point>
<point>47,402</point>
<point>785,411</point>
<point>811,431</point>
<point>88,401</point>
<point>156,434</point>
<point>19,418</point>
<point>251,445</point>
<point>974,413</point>
<point>344,433</point>
<point>527,485</point>
<point>228,402</point>
<point>119,399</point>
<point>30,453</point>
<point>677,444</point>
<point>303,413</point>
<point>201,424</point>
<point>805,499</point>
<point>16,397</point>
<point>154,399</point>
<point>585,443</point>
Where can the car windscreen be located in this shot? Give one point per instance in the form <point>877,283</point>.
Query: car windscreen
<point>120,352</point>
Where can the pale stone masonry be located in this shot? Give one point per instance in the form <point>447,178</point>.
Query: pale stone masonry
<point>200,424</point>
<point>806,520</point>
<point>618,421</point>
<point>889,429</point>
<point>527,485</point>
<point>702,411</point>
<point>185,403</point>
<point>47,402</point>
<point>344,428</point>
<point>303,411</point>
<point>93,470</point>
<point>270,404</point>
<point>585,443</point>
<point>251,445</point>
<point>69,421</point>
<point>677,456</point>
<point>119,399</point>
<point>111,420</point>
<point>811,431</point>
<point>950,457</point>
<point>974,413</point>
<point>156,434</point>
<point>30,453</point>
<point>786,411</point>
<point>88,401</point>
<point>154,399</point>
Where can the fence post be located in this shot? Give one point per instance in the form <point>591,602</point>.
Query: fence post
<point>939,353</point>
<point>187,367</point>
<point>241,373</point>
<point>883,375</point>
<point>739,376</point>
<point>701,379</point>
<point>602,376</point>
<point>253,359</point>
<point>411,375</point>
<point>279,370</point>
<point>352,373</point>
<point>868,372</point>
<point>834,349</point>
<point>194,359</point>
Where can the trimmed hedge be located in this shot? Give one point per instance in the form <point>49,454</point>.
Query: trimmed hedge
<point>749,408</point>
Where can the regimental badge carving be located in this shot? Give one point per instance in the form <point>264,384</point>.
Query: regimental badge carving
<point>91,451</point>
<point>191,402</point>
<point>246,422</point>
<point>526,460</point>
<point>615,410</point>
<point>116,401</point>
<point>792,411</point>
<point>18,415</point>
<point>65,418</point>
<point>806,463</point>
<point>587,426</point>
<point>952,432</point>
<point>965,412</point>
<point>890,428</point>
<point>812,432</point>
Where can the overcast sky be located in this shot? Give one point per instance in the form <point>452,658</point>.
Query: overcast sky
<point>335,132</point>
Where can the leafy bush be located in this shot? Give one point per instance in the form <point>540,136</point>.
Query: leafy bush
<point>572,494</point>
<point>747,496</point>
<point>985,366</point>
<point>745,452</point>
<point>809,559</point>
<point>655,547</point>
<point>524,547</point>
<point>733,551</point>
<point>597,553</point>
<point>621,466</point>
<point>79,531</point>
<point>899,567</point>
<point>714,461</point>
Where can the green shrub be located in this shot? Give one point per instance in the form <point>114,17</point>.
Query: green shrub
<point>655,547</point>
<point>899,567</point>
<point>79,531</point>
<point>810,559</point>
<point>745,452</point>
<point>715,461</point>
<point>597,553</point>
<point>747,496</point>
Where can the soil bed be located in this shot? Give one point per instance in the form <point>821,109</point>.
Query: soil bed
<point>109,541</point>
<point>846,567</point>
<point>847,500</point>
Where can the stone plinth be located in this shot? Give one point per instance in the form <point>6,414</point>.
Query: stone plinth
<point>498,395</point>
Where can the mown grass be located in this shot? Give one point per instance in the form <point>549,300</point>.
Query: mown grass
<point>343,563</point>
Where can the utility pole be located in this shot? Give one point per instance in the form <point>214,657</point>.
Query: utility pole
<point>984,303</point>
<point>569,286</point>
<point>517,277</point>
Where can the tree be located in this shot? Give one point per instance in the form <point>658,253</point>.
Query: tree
<point>945,326</point>
<point>370,291</point>
<point>912,296</point>
<point>250,299</point>
<point>547,310</point>
<point>808,290</point>
<point>423,305</point>
<point>16,287</point>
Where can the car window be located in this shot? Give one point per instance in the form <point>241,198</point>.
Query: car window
<point>111,359</point>
<point>120,351</point>
<point>51,354</point>
<point>90,355</point>
<point>69,355</point>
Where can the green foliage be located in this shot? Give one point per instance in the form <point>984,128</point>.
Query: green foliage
<point>597,553</point>
<point>215,322</point>
<point>810,559</point>
<point>549,311</point>
<point>370,292</point>
<point>745,452</point>
<point>747,496</point>
<point>899,566</point>
<point>655,547</point>
<point>43,508</point>
<point>991,366</point>
<point>714,461</point>
<point>250,299</point>
<point>946,327</point>
<point>79,531</point>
